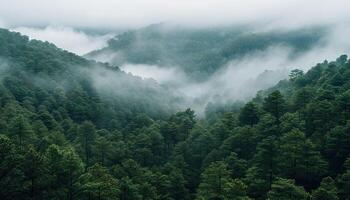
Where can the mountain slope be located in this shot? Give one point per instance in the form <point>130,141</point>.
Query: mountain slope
<point>66,132</point>
<point>199,52</point>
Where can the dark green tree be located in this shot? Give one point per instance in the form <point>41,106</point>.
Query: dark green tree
<point>216,184</point>
<point>326,191</point>
<point>249,114</point>
<point>284,189</point>
<point>87,136</point>
<point>97,183</point>
<point>275,105</point>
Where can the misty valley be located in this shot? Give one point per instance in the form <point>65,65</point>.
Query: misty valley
<point>185,109</point>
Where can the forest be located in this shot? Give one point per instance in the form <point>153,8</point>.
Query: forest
<point>67,134</point>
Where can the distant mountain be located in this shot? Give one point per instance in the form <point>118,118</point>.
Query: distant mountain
<point>199,52</point>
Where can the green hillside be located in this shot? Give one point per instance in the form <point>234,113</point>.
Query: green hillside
<point>71,128</point>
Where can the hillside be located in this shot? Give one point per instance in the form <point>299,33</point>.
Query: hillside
<point>66,132</point>
<point>200,52</point>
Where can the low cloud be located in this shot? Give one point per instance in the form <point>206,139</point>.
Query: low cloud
<point>163,75</point>
<point>241,78</point>
<point>67,38</point>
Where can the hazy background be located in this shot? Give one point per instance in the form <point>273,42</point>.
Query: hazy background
<point>82,26</point>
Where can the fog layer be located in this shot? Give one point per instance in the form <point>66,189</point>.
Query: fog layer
<point>241,78</point>
<point>78,42</point>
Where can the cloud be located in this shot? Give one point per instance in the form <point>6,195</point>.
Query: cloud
<point>67,38</point>
<point>136,13</point>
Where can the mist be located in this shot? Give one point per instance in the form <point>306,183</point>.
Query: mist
<point>240,79</point>
<point>67,38</point>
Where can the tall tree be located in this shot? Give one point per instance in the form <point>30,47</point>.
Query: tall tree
<point>10,172</point>
<point>65,168</point>
<point>249,114</point>
<point>299,159</point>
<point>216,184</point>
<point>97,183</point>
<point>35,170</point>
<point>326,191</point>
<point>275,104</point>
<point>266,160</point>
<point>87,136</point>
<point>284,189</point>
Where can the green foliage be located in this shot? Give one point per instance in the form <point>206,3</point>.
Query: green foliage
<point>216,183</point>
<point>284,189</point>
<point>63,136</point>
<point>275,105</point>
<point>326,191</point>
<point>249,114</point>
<point>97,183</point>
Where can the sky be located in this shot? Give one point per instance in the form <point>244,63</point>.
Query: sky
<point>116,14</point>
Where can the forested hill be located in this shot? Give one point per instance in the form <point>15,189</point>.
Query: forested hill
<point>200,52</point>
<point>37,73</point>
<point>67,134</point>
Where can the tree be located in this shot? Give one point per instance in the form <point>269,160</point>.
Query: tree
<point>301,98</point>
<point>341,60</point>
<point>249,114</point>
<point>299,159</point>
<point>237,166</point>
<point>344,182</point>
<point>295,73</point>
<point>87,136</point>
<point>104,149</point>
<point>10,172</point>
<point>344,105</point>
<point>20,127</point>
<point>35,170</point>
<point>266,160</point>
<point>275,104</point>
<point>326,191</point>
<point>65,168</point>
<point>319,118</point>
<point>216,184</point>
<point>97,183</point>
<point>337,146</point>
<point>284,189</point>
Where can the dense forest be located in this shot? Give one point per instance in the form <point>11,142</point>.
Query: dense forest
<point>203,51</point>
<point>67,134</point>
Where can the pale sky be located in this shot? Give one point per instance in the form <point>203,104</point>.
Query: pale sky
<point>137,13</point>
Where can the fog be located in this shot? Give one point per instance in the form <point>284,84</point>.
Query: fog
<point>78,42</point>
<point>241,78</point>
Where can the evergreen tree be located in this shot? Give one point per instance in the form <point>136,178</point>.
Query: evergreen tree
<point>97,183</point>
<point>216,184</point>
<point>249,114</point>
<point>326,191</point>
<point>87,136</point>
<point>284,189</point>
<point>275,105</point>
